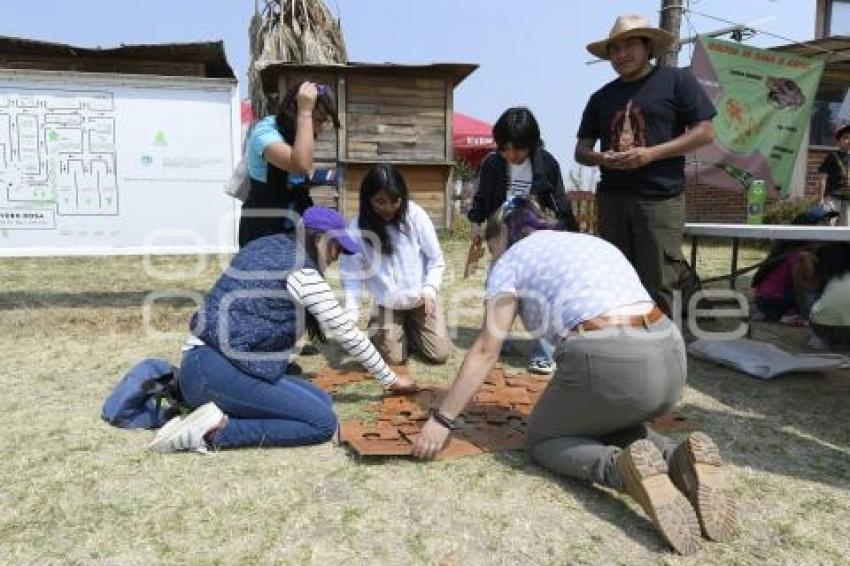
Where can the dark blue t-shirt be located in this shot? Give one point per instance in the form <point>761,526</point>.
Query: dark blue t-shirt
<point>644,113</point>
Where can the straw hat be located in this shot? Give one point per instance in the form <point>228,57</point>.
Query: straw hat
<point>632,25</point>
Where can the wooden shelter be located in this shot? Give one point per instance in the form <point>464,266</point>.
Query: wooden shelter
<point>400,114</point>
<point>203,59</point>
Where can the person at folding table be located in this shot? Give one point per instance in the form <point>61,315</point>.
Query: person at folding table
<point>620,362</point>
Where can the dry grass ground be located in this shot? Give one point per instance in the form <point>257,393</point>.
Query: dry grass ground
<point>74,490</point>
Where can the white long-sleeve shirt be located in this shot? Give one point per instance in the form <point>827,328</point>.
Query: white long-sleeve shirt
<point>397,281</point>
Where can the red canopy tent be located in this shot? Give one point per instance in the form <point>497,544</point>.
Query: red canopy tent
<point>246,111</point>
<point>472,138</point>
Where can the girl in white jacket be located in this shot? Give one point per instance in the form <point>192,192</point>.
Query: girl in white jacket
<point>402,267</point>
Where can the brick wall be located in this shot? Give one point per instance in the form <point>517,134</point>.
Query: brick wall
<point>708,204</point>
<point>815,158</point>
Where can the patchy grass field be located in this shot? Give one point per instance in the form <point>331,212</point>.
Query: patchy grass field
<point>75,490</point>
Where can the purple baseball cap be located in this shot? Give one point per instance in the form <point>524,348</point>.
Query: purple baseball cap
<point>330,221</point>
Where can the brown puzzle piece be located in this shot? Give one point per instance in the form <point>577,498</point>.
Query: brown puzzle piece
<point>374,440</point>
<point>333,380</point>
<point>456,448</point>
<point>673,422</point>
<point>496,420</point>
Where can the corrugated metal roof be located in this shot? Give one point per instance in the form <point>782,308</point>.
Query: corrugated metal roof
<point>210,54</point>
<point>832,48</point>
<point>458,71</point>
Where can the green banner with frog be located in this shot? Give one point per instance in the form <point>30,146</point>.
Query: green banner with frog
<point>764,101</point>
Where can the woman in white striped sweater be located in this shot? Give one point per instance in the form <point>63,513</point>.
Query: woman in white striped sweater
<point>234,367</point>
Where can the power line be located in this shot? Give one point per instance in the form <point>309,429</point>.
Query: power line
<point>761,31</point>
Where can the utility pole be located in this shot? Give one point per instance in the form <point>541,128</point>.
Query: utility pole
<point>671,21</point>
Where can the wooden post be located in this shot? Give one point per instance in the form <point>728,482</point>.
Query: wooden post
<point>342,141</point>
<point>449,153</point>
<point>671,21</point>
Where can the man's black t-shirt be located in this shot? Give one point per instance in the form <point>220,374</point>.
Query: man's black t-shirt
<point>644,113</point>
<point>835,167</point>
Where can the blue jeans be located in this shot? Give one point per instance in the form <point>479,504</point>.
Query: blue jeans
<point>290,412</point>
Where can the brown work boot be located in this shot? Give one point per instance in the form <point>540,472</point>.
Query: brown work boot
<point>645,479</point>
<point>697,470</point>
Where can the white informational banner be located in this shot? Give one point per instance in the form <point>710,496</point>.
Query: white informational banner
<point>116,164</point>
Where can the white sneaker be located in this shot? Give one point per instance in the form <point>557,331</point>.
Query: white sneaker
<point>188,433</point>
<point>541,366</point>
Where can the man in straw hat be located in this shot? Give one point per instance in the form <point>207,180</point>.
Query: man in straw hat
<point>834,185</point>
<point>646,121</point>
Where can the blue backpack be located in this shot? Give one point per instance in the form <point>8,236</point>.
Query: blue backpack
<point>137,401</point>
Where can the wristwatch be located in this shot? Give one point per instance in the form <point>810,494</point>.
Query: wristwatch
<point>443,419</point>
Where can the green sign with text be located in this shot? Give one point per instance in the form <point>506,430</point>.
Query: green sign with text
<point>764,102</point>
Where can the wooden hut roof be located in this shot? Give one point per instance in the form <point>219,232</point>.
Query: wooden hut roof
<point>835,51</point>
<point>209,54</point>
<point>457,71</point>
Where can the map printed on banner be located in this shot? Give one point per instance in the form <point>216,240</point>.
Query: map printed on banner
<point>57,156</point>
<point>764,103</point>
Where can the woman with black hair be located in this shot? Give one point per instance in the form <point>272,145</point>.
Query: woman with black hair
<point>402,266</point>
<point>522,168</point>
<point>279,148</point>
<point>830,315</point>
<point>235,365</point>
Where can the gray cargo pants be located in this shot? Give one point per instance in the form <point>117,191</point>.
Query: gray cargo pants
<point>608,383</point>
<point>649,233</point>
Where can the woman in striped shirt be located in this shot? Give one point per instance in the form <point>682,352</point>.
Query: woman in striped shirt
<point>234,369</point>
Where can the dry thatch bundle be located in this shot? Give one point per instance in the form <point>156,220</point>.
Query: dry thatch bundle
<point>296,31</point>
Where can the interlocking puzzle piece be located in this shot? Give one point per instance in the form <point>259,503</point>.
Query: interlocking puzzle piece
<point>333,379</point>
<point>495,421</point>
<point>374,440</point>
<point>456,448</point>
<point>516,396</point>
<point>487,397</point>
<point>673,422</point>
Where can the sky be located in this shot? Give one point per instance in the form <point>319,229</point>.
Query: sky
<point>530,53</point>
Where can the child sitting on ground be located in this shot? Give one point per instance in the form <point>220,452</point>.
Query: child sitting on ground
<point>787,278</point>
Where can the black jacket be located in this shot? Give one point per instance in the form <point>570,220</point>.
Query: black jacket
<point>547,186</point>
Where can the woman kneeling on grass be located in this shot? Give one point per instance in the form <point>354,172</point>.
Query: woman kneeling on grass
<point>620,362</point>
<point>234,365</point>
<point>402,265</point>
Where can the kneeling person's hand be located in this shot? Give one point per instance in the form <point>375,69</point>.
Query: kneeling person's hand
<point>403,385</point>
<point>431,440</point>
